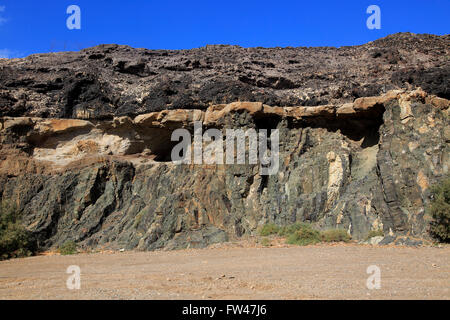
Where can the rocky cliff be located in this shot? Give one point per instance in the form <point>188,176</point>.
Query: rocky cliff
<point>86,140</point>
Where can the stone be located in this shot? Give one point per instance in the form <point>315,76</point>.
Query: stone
<point>387,240</point>
<point>413,242</point>
<point>375,240</point>
<point>86,146</point>
<point>441,103</point>
<point>346,109</point>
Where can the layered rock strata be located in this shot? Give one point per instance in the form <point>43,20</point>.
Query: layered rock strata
<point>86,140</point>
<point>360,166</point>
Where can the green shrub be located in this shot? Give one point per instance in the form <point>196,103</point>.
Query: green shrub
<point>269,229</point>
<point>335,235</point>
<point>286,231</point>
<point>375,233</point>
<point>15,240</point>
<point>439,210</point>
<point>69,247</point>
<point>265,242</point>
<point>304,236</point>
<point>301,233</point>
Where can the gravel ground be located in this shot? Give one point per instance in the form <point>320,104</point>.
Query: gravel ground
<point>283,272</point>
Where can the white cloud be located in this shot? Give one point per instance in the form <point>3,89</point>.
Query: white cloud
<point>5,53</point>
<point>10,54</point>
<point>2,20</point>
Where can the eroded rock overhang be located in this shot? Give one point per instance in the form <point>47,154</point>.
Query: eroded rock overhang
<point>148,136</point>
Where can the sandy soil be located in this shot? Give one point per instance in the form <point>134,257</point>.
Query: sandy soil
<point>282,272</point>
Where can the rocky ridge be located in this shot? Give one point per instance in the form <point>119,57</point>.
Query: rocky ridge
<point>113,80</point>
<point>87,157</point>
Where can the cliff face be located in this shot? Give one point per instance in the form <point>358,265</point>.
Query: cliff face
<point>86,140</point>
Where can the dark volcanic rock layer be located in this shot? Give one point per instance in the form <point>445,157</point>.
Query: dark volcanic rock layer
<point>113,80</point>
<point>86,140</point>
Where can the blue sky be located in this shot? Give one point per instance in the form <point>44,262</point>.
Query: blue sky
<point>30,26</point>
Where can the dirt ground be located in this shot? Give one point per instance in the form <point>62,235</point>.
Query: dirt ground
<point>235,272</point>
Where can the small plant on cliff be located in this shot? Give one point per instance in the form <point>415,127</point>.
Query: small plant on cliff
<point>286,231</point>
<point>15,240</point>
<point>304,236</point>
<point>68,247</point>
<point>301,233</point>
<point>269,229</point>
<point>265,242</point>
<point>335,235</point>
<point>439,210</point>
